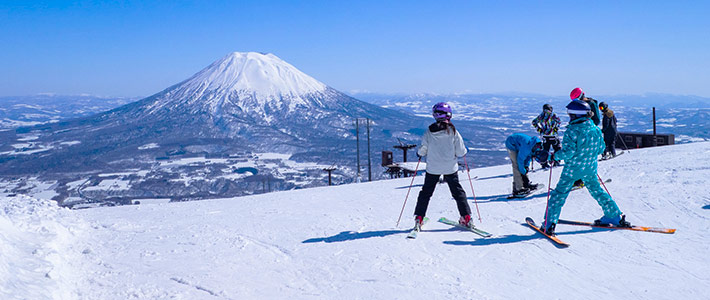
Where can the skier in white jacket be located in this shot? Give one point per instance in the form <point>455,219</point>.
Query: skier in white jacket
<point>442,145</point>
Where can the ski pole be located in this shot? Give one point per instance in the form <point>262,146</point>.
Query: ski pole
<point>549,188</point>
<point>468,171</point>
<point>622,140</point>
<point>410,188</point>
<point>604,185</point>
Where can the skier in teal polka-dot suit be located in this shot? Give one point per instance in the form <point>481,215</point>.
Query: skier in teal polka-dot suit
<point>582,144</point>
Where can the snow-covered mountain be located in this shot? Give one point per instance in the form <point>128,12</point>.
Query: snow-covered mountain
<point>253,87</point>
<point>341,242</point>
<point>255,97</point>
<point>254,82</point>
<point>240,105</point>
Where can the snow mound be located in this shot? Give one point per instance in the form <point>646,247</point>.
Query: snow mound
<point>37,256</point>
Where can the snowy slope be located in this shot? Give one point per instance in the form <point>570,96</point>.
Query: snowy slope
<point>341,242</point>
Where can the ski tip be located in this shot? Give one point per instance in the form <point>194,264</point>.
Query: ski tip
<point>659,230</point>
<point>556,241</point>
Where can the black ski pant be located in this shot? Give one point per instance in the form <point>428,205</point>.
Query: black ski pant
<point>430,181</point>
<point>609,141</point>
<point>550,140</point>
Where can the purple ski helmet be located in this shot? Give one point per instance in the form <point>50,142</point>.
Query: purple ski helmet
<point>441,111</point>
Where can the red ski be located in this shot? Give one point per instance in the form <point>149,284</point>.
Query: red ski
<point>635,228</point>
<point>552,238</point>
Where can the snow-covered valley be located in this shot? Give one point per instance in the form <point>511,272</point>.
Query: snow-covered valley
<point>341,242</point>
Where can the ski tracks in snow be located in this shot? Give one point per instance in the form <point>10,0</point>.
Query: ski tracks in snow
<point>195,259</point>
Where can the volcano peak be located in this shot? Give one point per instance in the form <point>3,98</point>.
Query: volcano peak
<point>263,75</point>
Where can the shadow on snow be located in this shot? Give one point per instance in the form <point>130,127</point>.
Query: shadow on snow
<point>498,176</point>
<point>406,186</point>
<point>506,239</point>
<point>504,198</point>
<point>516,238</point>
<point>352,235</point>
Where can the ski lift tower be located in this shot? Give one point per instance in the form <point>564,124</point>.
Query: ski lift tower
<point>404,147</point>
<point>330,170</point>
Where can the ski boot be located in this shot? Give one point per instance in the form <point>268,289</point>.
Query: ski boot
<point>549,230</point>
<point>578,184</point>
<point>532,186</point>
<point>466,221</point>
<point>619,221</point>
<point>521,193</point>
<point>418,222</point>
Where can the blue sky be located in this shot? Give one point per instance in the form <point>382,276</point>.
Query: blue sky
<point>547,47</point>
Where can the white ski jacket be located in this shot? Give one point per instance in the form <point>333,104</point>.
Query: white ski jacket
<point>441,149</point>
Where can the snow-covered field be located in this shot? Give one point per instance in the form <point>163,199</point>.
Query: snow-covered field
<point>341,242</point>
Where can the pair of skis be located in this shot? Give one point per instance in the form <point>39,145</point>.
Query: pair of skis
<point>562,244</point>
<point>413,234</point>
<point>540,186</point>
<point>611,157</point>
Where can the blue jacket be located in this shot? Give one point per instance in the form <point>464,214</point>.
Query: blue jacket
<point>523,144</point>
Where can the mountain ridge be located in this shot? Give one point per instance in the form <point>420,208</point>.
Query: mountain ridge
<point>211,114</point>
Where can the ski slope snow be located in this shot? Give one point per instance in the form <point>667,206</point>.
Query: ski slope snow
<point>341,242</point>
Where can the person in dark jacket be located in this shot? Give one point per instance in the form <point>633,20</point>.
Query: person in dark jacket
<point>547,124</point>
<point>609,130</point>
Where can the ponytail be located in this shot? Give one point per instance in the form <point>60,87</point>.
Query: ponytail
<point>450,128</point>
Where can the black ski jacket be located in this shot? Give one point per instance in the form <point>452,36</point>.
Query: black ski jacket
<point>609,124</point>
